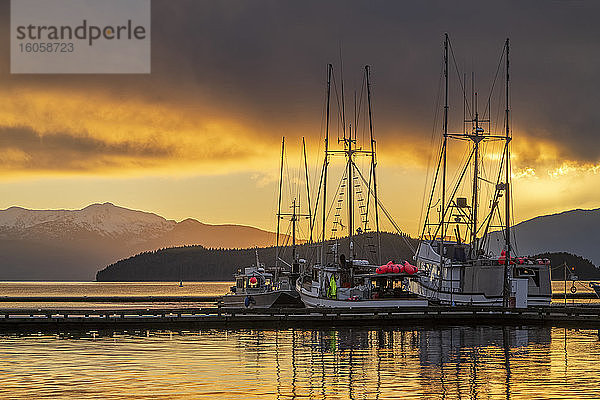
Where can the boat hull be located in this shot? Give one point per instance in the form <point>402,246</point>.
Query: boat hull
<point>276,298</point>
<point>319,302</point>
<point>478,299</point>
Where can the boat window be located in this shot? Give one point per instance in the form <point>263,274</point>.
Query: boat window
<point>239,283</point>
<point>459,254</point>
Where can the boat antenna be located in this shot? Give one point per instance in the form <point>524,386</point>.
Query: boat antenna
<point>373,161</point>
<point>279,205</point>
<point>507,271</point>
<point>326,161</point>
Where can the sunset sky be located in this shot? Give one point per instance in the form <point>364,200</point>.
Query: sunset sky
<point>200,136</point>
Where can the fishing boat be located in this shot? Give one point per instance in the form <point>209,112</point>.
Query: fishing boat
<point>454,251</point>
<point>258,286</point>
<point>337,278</point>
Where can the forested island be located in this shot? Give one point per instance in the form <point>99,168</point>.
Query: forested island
<point>197,263</point>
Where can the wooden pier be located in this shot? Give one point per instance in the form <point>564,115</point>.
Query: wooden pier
<point>51,320</point>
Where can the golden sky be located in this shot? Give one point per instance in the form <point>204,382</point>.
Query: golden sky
<point>200,136</point>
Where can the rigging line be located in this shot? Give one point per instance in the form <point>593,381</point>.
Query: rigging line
<point>496,197</point>
<point>462,86</point>
<point>437,172</point>
<point>387,214</point>
<point>360,102</point>
<point>314,218</point>
<point>500,63</point>
<point>337,100</point>
<point>456,187</point>
<point>336,193</point>
<point>431,141</point>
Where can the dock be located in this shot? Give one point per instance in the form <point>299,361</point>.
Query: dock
<point>186,299</point>
<point>108,299</point>
<point>61,320</point>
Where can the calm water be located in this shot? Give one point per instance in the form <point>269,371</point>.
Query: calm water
<point>82,289</point>
<point>444,363</point>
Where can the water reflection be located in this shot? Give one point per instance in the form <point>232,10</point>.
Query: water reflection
<point>444,363</point>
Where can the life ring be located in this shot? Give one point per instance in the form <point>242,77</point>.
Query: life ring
<point>573,289</point>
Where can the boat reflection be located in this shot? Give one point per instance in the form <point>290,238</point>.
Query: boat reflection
<point>449,362</point>
<point>345,363</point>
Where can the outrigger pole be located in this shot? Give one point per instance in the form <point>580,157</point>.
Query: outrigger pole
<point>507,271</point>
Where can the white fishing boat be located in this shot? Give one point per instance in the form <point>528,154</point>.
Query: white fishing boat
<point>338,279</point>
<point>454,251</point>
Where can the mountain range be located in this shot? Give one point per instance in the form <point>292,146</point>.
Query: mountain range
<point>575,231</point>
<point>74,244</point>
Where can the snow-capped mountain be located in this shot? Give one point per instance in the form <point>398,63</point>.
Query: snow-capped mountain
<point>106,220</point>
<point>74,244</point>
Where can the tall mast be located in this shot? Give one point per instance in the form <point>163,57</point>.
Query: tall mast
<point>373,163</point>
<point>294,232</point>
<point>506,291</point>
<point>343,102</point>
<point>279,204</point>
<point>476,140</point>
<point>307,190</point>
<point>444,145</point>
<point>326,162</point>
<point>350,188</point>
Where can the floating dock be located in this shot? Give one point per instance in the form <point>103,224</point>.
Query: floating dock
<point>51,320</point>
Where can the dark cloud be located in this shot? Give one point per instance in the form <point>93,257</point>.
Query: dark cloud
<point>22,148</point>
<point>263,62</point>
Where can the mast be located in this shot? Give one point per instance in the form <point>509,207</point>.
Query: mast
<point>350,188</point>
<point>373,163</point>
<point>475,139</point>
<point>444,145</point>
<point>307,190</point>
<point>279,205</point>
<point>506,291</point>
<point>294,258</point>
<point>326,162</point>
